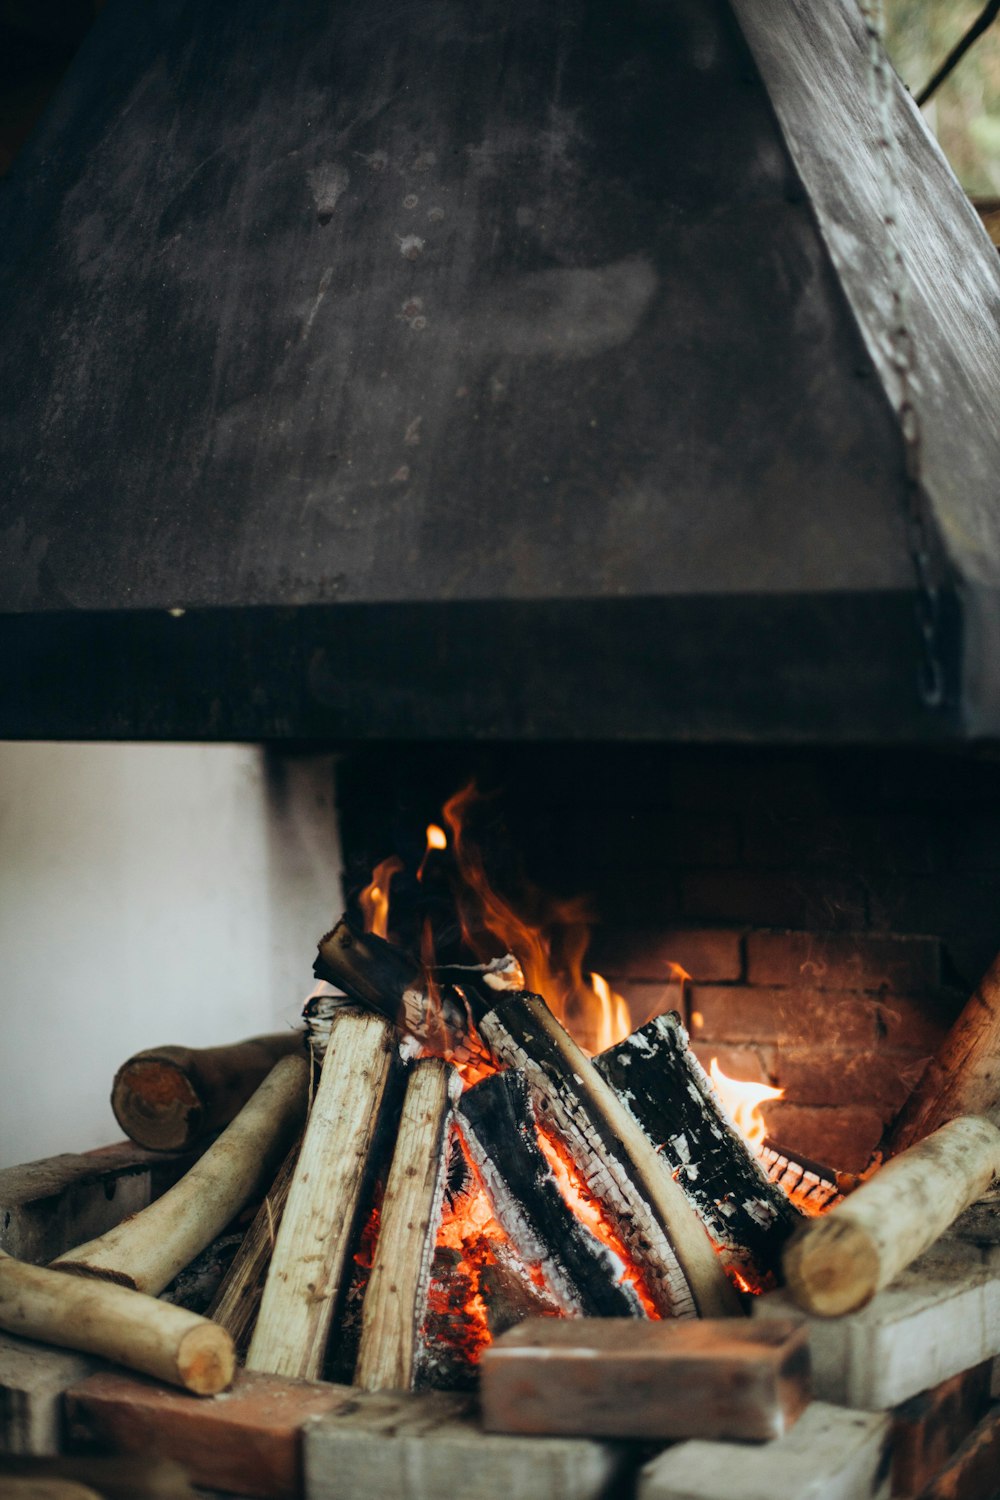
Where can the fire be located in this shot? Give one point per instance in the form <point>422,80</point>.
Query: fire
<point>741,1102</point>
<point>374,899</point>
<point>613,1022</point>
<point>436,839</point>
<point>468,1229</point>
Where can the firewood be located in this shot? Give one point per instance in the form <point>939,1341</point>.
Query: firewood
<point>237,1301</point>
<point>248,1444</point>
<point>97,1317</point>
<point>169,1098</point>
<point>108,1476</point>
<point>622,1167</point>
<point>500,1128</point>
<point>963,1078</point>
<point>836,1264</point>
<point>608,1377</point>
<point>396,1299</point>
<point>147,1251</point>
<point>663,1085</point>
<point>329,1188</point>
<point>47,1489</point>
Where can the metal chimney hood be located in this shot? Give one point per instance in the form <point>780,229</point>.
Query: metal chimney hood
<point>515,371</point>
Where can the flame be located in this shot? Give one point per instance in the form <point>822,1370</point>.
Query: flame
<point>436,839</point>
<point>549,944</point>
<point>374,899</point>
<point>590,1211</point>
<point>468,1228</point>
<point>741,1102</point>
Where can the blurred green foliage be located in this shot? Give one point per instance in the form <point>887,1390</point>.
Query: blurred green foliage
<point>965,111</point>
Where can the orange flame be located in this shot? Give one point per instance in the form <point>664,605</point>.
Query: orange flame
<point>436,839</point>
<point>374,899</point>
<point>741,1102</point>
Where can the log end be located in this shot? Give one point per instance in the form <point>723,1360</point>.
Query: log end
<point>206,1360</point>
<point>831,1268</point>
<point>156,1104</point>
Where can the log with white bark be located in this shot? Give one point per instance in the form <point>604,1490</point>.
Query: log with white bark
<point>330,1186</point>
<point>97,1317</point>
<point>621,1166</point>
<point>837,1263</point>
<point>396,1300</point>
<point>147,1251</point>
<point>963,1078</point>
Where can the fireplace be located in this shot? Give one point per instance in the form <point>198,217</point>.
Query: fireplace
<point>595,411</point>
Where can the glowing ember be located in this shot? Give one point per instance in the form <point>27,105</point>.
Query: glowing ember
<point>469,1229</point>
<point>741,1102</point>
<point>374,899</point>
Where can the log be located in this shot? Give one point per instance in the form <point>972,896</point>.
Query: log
<point>330,1186</point>
<point>237,1301</point>
<point>109,1477</point>
<point>170,1098</point>
<point>500,1130</point>
<point>609,1377</point>
<point>964,1076</point>
<point>836,1264</point>
<point>97,1317</point>
<point>664,1234</point>
<point>43,1488</point>
<point>395,1303</point>
<point>248,1444</point>
<point>668,1092</point>
<point>147,1251</point>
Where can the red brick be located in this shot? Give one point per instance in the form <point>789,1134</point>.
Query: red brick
<point>705,953</point>
<point>842,961</point>
<point>648,1000</point>
<point>842,1138</point>
<point>919,1022</point>
<point>742,1013</point>
<point>815,1075</point>
<point>767,898</point>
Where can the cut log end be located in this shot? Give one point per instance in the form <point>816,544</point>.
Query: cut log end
<point>832,1268</point>
<point>206,1360</point>
<point>156,1104</point>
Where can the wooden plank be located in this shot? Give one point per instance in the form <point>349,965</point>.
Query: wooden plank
<point>939,1317</point>
<point>248,1443</point>
<point>837,1263</point>
<point>33,1378</point>
<point>611,1377</point>
<point>973,1472</point>
<point>928,1429</point>
<point>664,1086</point>
<point>395,1303</point>
<point>147,1251</point>
<point>330,1186</point>
<point>237,1301</point>
<point>500,1128</point>
<point>623,1169</point>
<point>831,1454</point>
<point>48,1205</point>
<point>427,1445</point>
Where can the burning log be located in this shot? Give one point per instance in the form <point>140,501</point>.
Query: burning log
<point>147,1251</point>
<point>500,1129</point>
<point>97,1317</point>
<point>619,1162</point>
<point>329,1188</point>
<point>168,1098</point>
<point>964,1077</point>
<point>836,1264</point>
<point>396,1299</point>
<point>237,1301</point>
<point>668,1092</point>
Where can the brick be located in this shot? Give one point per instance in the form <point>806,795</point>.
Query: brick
<point>744,1013</point>
<point>971,1472</point>
<point>248,1440</point>
<point>33,1378</point>
<point>830,1453</point>
<point>704,953</point>
<point>918,1022</point>
<point>610,1377</point>
<point>927,1429</point>
<point>842,1138</point>
<point>648,1000</point>
<point>767,898</point>
<point>841,961</point>
<point>959,909</point>
<point>431,1444</point>
<point>939,1317</point>
<point>818,1075</point>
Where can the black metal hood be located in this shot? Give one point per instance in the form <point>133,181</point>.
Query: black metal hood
<point>513,370</point>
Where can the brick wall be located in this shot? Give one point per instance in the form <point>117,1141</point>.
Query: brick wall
<point>832,909</point>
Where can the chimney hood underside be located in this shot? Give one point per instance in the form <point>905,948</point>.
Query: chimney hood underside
<point>510,370</point>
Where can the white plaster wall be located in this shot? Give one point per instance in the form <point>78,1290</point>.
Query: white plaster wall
<point>148,894</point>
